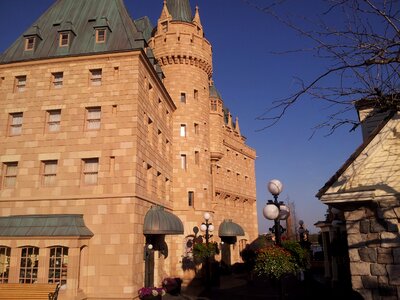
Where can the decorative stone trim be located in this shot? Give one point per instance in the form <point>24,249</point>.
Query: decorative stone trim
<point>186,59</point>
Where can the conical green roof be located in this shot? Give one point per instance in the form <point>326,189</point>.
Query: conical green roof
<point>180,10</point>
<point>81,18</point>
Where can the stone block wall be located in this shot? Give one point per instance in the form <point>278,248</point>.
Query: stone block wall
<point>374,248</point>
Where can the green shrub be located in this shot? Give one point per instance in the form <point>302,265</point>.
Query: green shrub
<point>300,255</point>
<point>202,250</point>
<point>274,262</point>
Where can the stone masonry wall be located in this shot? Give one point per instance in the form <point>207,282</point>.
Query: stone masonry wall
<point>374,249</point>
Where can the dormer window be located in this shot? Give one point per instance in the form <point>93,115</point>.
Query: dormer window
<point>30,43</point>
<point>64,39</point>
<point>100,35</point>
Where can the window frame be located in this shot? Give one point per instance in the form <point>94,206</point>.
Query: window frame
<point>98,35</point>
<point>62,39</point>
<point>7,174</point>
<point>15,128</point>
<point>32,267</point>
<point>20,83</point>
<point>30,43</point>
<point>183,131</point>
<point>190,198</point>
<point>92,118</point>
<point>48,172</point>
<point>57,80</point>
<point>58,263</point>
<point>183,98</point>
<point>183,158</point>
<point>50,122</point>
<point>96,76</point>
<point>5,252</point>
<point>86,172</point>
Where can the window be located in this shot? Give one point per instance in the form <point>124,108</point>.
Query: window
<point>58,265</point>
<point>197,157</point>
<point>28,271</point>
<point>5,253</point>
<point>196,128</point>
<point>57,79</point>
<point>183,98</point>
<point>20,83</point>
<point>64,39</point>
<point>149,177</point>
<point>183,130</point>
<point>49,172</point>
<point>100,35</point>
<point>95,77</point>
<point>53,120</point>
<point>30,43</point>
<point>196,94</point>
<point>90,170</point>
<point>164,26</point>
<point>150,126</point>
<point>93,118</point>
<point>16,123</point>
<point>183,161</point>
<point>190,198</point>
<point>10,174</point>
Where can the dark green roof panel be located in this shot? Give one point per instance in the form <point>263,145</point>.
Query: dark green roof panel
<point>230,229</point>
<point>44,226</point>
<point>180,10</point>
<point>81,17</point>
<point>159,221</point>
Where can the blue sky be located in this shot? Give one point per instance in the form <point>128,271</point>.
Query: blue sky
<point>249,77</point>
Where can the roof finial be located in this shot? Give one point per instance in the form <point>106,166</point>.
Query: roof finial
<point>196,18</point>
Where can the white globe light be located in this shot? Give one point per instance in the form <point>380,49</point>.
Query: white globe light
<point>275,187</point>
<point>211,227</point>
<point>203,227</point>
<point>150,246</point>
<point>284,212</point>
<point>207,216</point>
<point>301,222</point>
<point>270,211</point>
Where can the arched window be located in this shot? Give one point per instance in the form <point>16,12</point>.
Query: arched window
<point>28,271</point>
<point>5,253</point>
<point>58,265</point>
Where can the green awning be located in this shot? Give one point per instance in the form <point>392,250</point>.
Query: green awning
<point>229,228</point>
<point>159,221</point>
<point>44,226</point>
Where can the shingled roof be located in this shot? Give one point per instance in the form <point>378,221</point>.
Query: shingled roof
<point>80,18</point>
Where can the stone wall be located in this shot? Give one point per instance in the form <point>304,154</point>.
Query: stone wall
<point>374,249</point>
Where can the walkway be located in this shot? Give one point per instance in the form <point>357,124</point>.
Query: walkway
<point>237,287</point>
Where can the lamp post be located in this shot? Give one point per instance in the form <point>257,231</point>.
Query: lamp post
<point>207,228</point>
<point>276,210</point>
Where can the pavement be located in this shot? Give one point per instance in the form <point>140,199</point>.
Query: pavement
<point>240,287</point>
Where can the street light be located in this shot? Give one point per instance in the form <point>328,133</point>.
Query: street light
<point>207,227</point>
<point>276,210</point>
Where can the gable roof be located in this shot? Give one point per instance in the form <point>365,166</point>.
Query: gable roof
<point>336,177</point>
<point>80,18</point>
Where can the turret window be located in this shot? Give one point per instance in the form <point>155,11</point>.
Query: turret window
<point>100,35</point>
<point>183,98</point>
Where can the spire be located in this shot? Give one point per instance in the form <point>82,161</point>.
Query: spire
<point>180,10</point>
<point>165,15</point>
<point>196,19</point>
<point>237,128</point>
<point>230,125</point>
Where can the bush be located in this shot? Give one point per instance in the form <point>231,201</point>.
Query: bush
<point>274,262</point>
<point>300,255</point>
<point>202,251</point>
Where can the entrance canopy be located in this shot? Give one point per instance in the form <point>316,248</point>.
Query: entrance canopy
<point>159,221</point>
<point>230,229</point>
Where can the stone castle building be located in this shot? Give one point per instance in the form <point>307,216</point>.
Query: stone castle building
<point>114,143</point>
